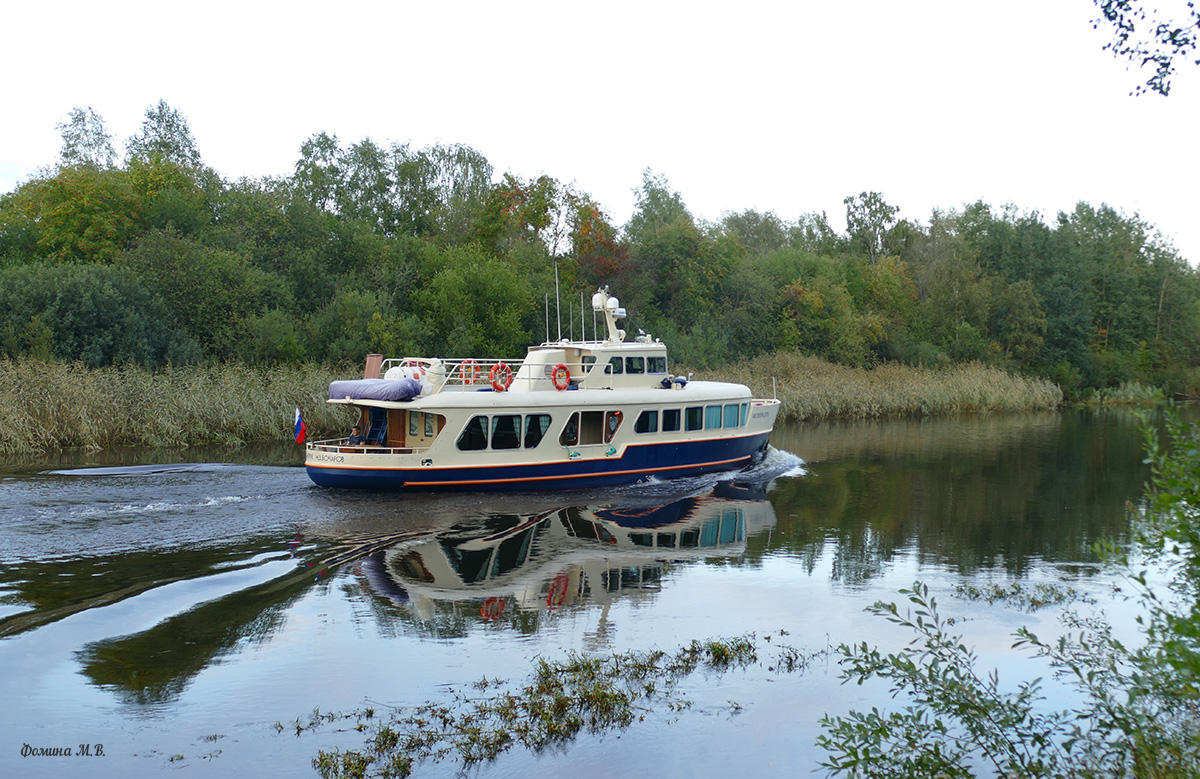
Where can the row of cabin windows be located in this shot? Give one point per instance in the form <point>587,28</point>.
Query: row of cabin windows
<point>636,365</point>
<point>507,431</point>
<point>693,418</point>
<point>514,431</point>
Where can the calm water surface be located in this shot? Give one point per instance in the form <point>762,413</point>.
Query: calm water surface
<point>174,606</point>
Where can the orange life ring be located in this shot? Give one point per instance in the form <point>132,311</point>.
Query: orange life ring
<point>492,608</point>
<point>558,591</point>
<point>418,369</point>
<point>561,377</point>
<point>501,377</point>
<point>470,371</point>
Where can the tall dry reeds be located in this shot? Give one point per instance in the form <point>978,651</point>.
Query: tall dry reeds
<point>50,405</point>
<point>811,388</point>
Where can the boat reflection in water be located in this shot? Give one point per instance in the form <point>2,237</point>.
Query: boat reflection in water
<point>575,555</point>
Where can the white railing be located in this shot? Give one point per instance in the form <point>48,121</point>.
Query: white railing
<point>343,446</point>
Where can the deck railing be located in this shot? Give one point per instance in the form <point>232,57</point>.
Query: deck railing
<point>343,446</point>
<point>474,374</point>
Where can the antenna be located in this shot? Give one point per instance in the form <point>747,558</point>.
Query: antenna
<point>557,305</point>
<point>547,318</point>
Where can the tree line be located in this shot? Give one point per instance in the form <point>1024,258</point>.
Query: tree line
<point>152,258</point>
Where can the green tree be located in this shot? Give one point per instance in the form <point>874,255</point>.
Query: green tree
<point>212,293</point>
<point>477,304</point>
<point>78,214</point>
<point>317,175</point>
<point>868,219</point>
<point>164,134</point>
<point>94,314</point>
<point>85,140</point>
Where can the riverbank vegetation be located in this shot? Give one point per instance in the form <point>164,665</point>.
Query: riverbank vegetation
<point>47,404</point>
<point>811,388</point>
<point>152,259</point>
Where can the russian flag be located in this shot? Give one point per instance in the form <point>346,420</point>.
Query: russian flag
<point>301,428</point>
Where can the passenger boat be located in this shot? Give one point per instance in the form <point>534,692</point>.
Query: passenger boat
<point>570,414</point>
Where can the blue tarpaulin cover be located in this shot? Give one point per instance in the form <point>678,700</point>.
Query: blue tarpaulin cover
<point>375,389</point>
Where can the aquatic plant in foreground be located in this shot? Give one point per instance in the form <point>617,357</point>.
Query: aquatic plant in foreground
<point>581,694</point>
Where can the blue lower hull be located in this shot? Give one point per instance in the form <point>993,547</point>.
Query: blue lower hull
<point>661,461</point>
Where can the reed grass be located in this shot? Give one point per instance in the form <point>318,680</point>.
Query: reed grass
<point>811,388</point>
<point>53,405</point>
<point>1130,393</point>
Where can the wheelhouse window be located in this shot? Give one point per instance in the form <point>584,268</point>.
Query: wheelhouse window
<point>635,365</point>
<point>670,420</point>
<point>745,416</point>
<point>694,417</point>
<point>731,415</point>
<point>712,417</point>
<point>614,365</point>
<point>656,364</point>
<point>647,422</point>
<point>475,435</point>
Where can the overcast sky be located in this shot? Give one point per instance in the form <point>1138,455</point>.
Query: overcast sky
<point>782,107</point>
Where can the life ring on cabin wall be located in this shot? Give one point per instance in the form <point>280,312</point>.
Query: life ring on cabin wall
<point>558,591</point>
<point>469,370</point>
<point>501,376</point>
<point>492,608</point>
<point>561,376</point>
<point>416,366</point>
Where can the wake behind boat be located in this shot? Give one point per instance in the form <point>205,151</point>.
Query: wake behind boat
<point>570,414</point>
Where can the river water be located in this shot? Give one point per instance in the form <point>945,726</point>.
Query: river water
<point>171,610</point>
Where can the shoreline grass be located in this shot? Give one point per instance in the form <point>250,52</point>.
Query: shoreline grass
<point>811,388</point>
<point>54,405</point>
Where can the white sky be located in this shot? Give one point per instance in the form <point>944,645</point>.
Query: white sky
<point>777,106</point>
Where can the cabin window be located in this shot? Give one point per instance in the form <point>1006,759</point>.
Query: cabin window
<point>670,420</point>
<point>635,364</point>
<point>712,417</point>
<point>612,422</point>
<point>570,433</point>
<point>745,413</point>
<point>647,422</point>
<point>614,365</point>
<point>656,364</point>
<point>430,425</point>
<point>413,424</point>
<point>475,435</point>
<point>694,418</point>
<point>731,415</point>
<point>536,426</point>
<point>506,431</point>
